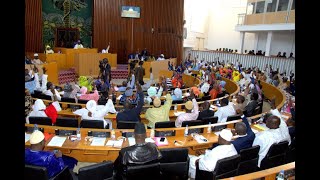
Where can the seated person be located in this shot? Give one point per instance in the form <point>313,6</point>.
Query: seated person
<point>49,50</point>
<point>123,87</point>
<point>243,134</point>
<point>192,111</point>
<point>69,91</point>
<point>177,94</point>
<point>147,85</point>
<point>39,109</point>
<point>196,91</point>
<point>177,80</point>
<point>85,95</point>
<point>28,76</point>
<point>225,110</point>
<point>94,112</point>
<point>277,132</point>
<point>129,96</point>
<point>205,87</point>
<point>239,103</point>
<point>36,59</point>
<point>78,45</point>
<point>206,111</point>
<point>161,57</point>
<point>214,91</point>
<point>208,160</point>
<point>153,92</point>
<point>51,91</point>
<point>130,112</point>
<point>138,154</point>
<point>87,82</point>
<point>54,161</point>
<point>159,113</point>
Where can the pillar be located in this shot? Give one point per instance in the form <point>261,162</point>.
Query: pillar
<point>242,36</point>
<point>268,45</point>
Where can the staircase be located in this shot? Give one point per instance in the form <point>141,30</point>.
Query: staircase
<point>121,72</point>
<point>67,75</point>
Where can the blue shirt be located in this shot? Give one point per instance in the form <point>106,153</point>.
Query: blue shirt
<point>134,113</point>
<point>245,141</point>
<point>45,159</point>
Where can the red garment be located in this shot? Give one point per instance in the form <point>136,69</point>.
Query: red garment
<point>52,113</point>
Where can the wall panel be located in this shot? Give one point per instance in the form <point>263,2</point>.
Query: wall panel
<point>33,26</point>
<point>128,35</point>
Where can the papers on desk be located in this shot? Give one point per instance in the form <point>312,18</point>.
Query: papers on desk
<point>178,113</point>
<point>78,94</point>
<point>200,139</point>
<point>57,141</point>
<point>262,127</point>
<point>132,141</point>
<point>98,141</point>
<point>115,143</point>
<point>118,98</point>
<point>26,137</point>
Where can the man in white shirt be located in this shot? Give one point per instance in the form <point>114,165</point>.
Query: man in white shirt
<point>51,91</point>
<point>277,132</point>
<point>78,45</point>
<point>208,161</point>
<point>225,110</point>
<point>161,57</point>
<point>95,112</point>
<point>36,59</point>
<point>192,111</point>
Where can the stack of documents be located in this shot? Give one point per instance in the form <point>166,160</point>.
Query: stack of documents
<point>115,143</point>
<point>57,141</point>
<point>98,141</point>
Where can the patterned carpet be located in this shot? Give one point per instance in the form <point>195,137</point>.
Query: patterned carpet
<point>68,75</point>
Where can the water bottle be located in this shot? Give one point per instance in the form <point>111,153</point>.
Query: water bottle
<point>35,128</point>
<point>113,134</point>
<point>175,108</point>
<point>78,134</point>
<point>281,175</point>
<point>186,131</point>
<point>152,133</point>
<point>209,128</point>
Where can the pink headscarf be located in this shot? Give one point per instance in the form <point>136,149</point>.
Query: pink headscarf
<point>83,90</point>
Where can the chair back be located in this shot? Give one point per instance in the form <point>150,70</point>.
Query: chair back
<point>291,152</point>
<point>174,162</point>
<point>144,171</point>
<point>46,97</point>
<point>211,119</point>
<point>126,124</point>
<point>226,167</point>
<point>102,170</point>
<point>67,122</point>
<point>178,101</point>
<point>275,155</point>
<point>66,99</point>
<point>249,160</point>
<point>206,98</point>
<point>35,172</point>
<point>87,123</point>
<point>165,124</point>
<point>82,101</point>
<point>193,123</point>
<point>40,120</point>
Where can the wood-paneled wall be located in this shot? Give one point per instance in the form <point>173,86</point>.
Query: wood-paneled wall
<point>127,35</point>
<point>33,26</point>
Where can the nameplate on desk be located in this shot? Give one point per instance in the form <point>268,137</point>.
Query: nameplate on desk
<point>100,134</point>
<point>67,132</point>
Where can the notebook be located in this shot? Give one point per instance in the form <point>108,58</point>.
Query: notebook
<point>98,141</point>
<point>115,143</point>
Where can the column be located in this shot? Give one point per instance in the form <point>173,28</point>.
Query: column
<point>242,35</point>
<point>256,40</point>
<point>268,45</point>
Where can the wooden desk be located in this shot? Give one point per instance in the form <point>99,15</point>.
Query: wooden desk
<point>268,174</point>
<point>157,66</point>
<point>70,53</point>
<point>87,64</point>
<point>52,70</point>
<point>82,151</point>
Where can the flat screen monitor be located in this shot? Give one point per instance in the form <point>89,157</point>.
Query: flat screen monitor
<point>130,11</point>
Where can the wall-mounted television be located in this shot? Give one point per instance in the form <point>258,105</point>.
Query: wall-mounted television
<point>130,11</point>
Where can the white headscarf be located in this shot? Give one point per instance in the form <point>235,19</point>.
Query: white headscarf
<point>37,110</point>
<point>110,107</point>
<point>38,105</point>
<point>91,106</point>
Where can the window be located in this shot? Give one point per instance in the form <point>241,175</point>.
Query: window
<point>271,6</point>
<point>293,7</point>
<point>283,5</point>
<point>251,9</point>
<point>260,7</point>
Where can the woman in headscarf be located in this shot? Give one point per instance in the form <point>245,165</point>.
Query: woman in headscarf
<point>84,94</point>
<point>39,109</point>
<point>177,94</point>
<point>95,112</point>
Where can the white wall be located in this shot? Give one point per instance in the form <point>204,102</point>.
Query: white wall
<point>283,41</point>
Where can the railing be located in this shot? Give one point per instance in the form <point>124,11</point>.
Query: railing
<point>284,65</point>
<point>241,18</point>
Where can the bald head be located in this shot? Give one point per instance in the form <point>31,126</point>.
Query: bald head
<point>273,122</point>
<point>241,128</point>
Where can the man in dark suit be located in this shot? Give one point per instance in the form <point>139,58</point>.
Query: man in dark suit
<point>132,113</point>
<point>138,154</point>
<point>253,103</point>
<point>139,73</point>
<point>206,112</point>
<point>244,134</point>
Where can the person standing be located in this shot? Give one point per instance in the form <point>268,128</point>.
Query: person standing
<point>139,73</point>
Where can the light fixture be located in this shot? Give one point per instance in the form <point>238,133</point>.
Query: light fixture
<point>130,9</point>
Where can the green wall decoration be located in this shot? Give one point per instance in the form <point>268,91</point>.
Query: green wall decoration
<point>67,14</point>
